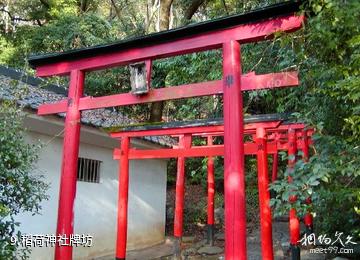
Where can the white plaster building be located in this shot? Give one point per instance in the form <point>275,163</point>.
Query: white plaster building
<point>96,199</point>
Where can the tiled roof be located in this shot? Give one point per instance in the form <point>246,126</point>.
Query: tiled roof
<point>32,92</point>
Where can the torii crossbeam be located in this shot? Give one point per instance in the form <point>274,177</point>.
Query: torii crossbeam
<point>226,34</point>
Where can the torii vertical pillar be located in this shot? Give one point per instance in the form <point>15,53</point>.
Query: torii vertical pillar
<point>234,175</point>
<point>70,156</point>
<point>275,162</point>
<point>211,195</point>
<point>275,166</point>
<point>184,142</point>
<point>264,196</point>
<point>121,237</point>
<point>294,224</point>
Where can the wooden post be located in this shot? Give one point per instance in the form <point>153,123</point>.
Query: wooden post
<point>264,196</point>
<point>211,195</point>
<point>275,166</point>
<point>184,142</point>
<point>123,200</point>
<point>69,164</point>
<point>275,161</point>
<point>234,175</point>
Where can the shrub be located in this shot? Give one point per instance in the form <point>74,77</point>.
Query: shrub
<point>20,191</point>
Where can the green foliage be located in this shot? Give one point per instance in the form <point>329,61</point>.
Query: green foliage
<point>65,33</point>
<point>8,50</point>
<point>327,53</point>
<point>332,64</point>
<point>47,10</point>
<point>330,178</point>
<point>336,211</point>
<point>20,191</point>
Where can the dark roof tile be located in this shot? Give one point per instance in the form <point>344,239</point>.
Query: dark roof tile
<point>32,92</point>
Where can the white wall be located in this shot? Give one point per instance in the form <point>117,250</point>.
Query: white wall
<point>96,203</point>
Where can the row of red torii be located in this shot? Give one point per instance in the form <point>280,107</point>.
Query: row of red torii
<point>226,34</point>
<point>268,138</point>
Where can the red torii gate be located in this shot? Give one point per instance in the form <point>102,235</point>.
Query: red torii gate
<point>226,34</point>
<point>183,150</point>
<point>185,131</point>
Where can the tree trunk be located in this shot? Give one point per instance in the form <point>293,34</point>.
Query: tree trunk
<point>194,6</point>
<point>165,7</point>
<point>164,21</point>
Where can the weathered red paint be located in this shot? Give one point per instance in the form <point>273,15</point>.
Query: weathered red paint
<point>294,225</point>
<point>250,81</point>
<point>264,196</point>
<point>184,142</point>
<point>304,144</point>
<point>256,31</point>
<point>210,195</point>
<point>69,165</point>
<point>123,199</point>
<point>275,161</point>
<point>234,173</point>
<point>210,185</point>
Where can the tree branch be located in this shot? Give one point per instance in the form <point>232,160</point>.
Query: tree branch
<point>194,6</point>
<point>117,11</point>
<point>45,3</point>
<point>151,15</point>
<point>13,18</point>
<point>225,7</point>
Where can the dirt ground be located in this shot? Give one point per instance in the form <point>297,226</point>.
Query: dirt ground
<point>191,248</point>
